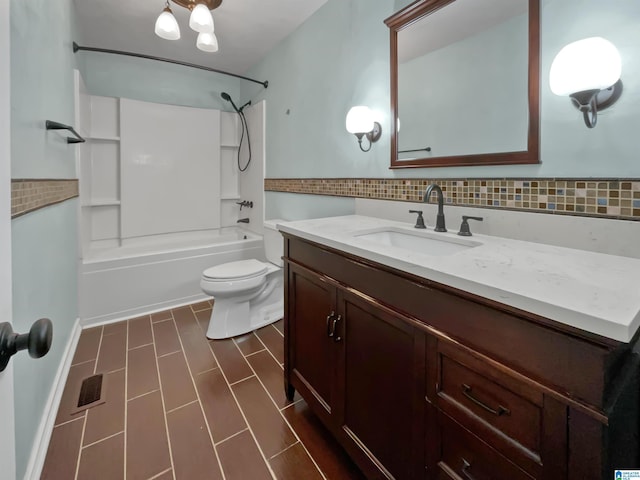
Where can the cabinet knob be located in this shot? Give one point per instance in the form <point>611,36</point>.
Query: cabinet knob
<point>466,466</point>
<point>37,342</point>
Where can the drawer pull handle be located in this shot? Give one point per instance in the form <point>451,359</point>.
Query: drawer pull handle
<point>466,391</point>
<point>466,466</point>
<point>330,330</point>
<point>336,338</point>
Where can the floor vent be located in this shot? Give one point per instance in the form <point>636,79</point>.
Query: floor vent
<point>92,392</point>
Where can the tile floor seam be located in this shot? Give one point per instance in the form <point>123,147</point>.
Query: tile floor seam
<point>231,436</point>
<point>84,426</point>
<point>69,421</point>
<point>158,475</point>
<point>167,354</point>
<point>139,346</point>
<point>253,353</point>
<point>241,380</point>
<point>276,329</point>
<point>267,348</point>
<point>164,411</point>
<point>244,417</point>
<point>126,402</point>
<point>181,406</point>
<point>291,404</point>
<point>85,361</point>
<point>295,434</point>
<point>285,449</point>
<point>143,395</point>
<point>101,440</point>
<point>195,387</point>
<point>207,371</point>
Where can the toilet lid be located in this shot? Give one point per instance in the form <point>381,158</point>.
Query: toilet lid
<point>236,270</point>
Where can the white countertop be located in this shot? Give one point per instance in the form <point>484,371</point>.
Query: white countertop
<point>594,292</point>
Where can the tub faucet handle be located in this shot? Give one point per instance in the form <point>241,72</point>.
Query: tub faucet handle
<point>245,203</point>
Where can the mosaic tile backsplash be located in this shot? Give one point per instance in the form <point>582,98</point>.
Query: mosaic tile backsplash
<point>31,194</point>
<point>608,198</point>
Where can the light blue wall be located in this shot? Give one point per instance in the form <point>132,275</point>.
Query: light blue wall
<point>292,206</point>
<point>44,254</point>
<point>152,81</point>
<point>340,57</point>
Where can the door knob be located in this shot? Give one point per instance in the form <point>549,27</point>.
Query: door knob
<point>37,341</point>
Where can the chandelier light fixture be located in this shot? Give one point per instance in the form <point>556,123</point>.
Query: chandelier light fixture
<point>200,21</point>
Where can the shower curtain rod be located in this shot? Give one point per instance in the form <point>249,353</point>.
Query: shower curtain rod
<point>77,48</point>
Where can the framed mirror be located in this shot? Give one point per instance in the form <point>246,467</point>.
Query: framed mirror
<point>465,83</point>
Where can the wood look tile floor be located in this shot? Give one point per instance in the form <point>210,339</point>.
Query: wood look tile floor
<point>182,407</point>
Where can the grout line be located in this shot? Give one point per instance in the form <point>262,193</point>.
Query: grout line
<point>244,417</point>
<point>126,402</point>
<point>231,436</point>
<point>207,371</point>
<point>102,439</point>
<point>274,326</point>
<point>139,346</point>
<point>267,349</point>
<point>80,417</point>
<point>161,321</point>
<point>242,380</point>
<point>253,353</point>
<point>291,404</point>
<point>164,411</point>
<point>181,406</point>
<point>86,361</point>
<point>144,394</point>
<point>157,475</point>
<point>95,366</point>
<point>195,387</point>
<point>170,353</point>
<point>282,451</point>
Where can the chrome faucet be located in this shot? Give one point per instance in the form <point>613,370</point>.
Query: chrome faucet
<point>243,220</point>
<point>440,217</point>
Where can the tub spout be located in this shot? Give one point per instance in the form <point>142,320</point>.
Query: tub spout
<point>243,220</point>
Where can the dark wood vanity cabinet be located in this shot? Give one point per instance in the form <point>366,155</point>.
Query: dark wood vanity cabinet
<point>419,381</point>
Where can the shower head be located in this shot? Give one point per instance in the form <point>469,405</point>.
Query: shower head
<point>227,97</point>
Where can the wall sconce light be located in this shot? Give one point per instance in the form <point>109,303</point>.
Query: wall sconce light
<point>360,122</point>
<point>588,71</point>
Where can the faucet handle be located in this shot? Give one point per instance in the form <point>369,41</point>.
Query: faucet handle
<point>419,220</point>
<point>464,227</point>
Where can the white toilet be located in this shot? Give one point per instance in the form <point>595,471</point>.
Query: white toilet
<point>248,294</point>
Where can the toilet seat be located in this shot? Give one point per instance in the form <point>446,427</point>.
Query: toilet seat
<point>235,271</point>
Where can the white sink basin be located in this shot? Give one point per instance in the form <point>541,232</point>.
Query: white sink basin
<point>426,243</point>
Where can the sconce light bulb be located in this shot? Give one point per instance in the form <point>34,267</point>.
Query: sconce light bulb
<point>359,120</point>
<point>588,64</point>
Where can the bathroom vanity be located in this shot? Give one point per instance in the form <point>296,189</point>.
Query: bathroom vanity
<point>478,358</point>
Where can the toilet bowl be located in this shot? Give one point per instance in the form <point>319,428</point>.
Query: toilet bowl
<point>248,294</point>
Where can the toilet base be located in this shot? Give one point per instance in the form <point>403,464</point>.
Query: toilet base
<point>231,317</point>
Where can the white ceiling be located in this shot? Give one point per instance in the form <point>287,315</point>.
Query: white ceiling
<point>246,29</point>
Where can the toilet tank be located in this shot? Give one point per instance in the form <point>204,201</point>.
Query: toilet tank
<point>273,242</point>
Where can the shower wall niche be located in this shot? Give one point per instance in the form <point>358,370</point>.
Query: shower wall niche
<point>150,173</point>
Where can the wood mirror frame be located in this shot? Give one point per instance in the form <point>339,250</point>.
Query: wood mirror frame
<point>421,8</point>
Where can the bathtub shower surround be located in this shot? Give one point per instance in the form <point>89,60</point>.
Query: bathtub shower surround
<point>158,192</point>
<point>603,198</point>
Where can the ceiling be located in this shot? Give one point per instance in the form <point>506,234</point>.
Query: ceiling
<point>246,29</point>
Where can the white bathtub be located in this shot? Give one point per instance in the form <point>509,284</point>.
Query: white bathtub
<point>152,274</point>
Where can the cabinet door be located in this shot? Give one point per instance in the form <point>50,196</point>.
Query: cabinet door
<point>310,361</point>
<point>376,378</point>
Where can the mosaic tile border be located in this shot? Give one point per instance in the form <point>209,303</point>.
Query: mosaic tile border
<point>604,198</point>
<point>30,194</point>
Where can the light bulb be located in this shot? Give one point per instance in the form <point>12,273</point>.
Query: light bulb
<point>589,64</point>
<point>359,120</point>
<point>167,26</point>
<point>201,20</point>
<point>207,42</point>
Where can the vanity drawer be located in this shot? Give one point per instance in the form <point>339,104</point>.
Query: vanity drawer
<point>506,413</point>
<point>464,456</point>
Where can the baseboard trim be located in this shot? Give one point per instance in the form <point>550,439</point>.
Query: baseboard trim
<point>45,429</point>
<point>145,310</point>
